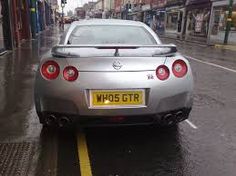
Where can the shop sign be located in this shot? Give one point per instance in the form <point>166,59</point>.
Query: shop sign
<point>190,2</point>
<point>146,7</point>
<point>158,12</point>
<point>174,2</point>
<point>159,4</point>
<point>137,8</point>
<point>117,9</point>
<point>173,8</point>
<point>123,8</point>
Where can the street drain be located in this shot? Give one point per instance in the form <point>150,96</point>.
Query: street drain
<point>15,158</point>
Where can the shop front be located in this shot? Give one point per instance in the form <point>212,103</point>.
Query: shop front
<point>21,21</point>
<point>159,16</point>
<point>124,12</point>
<point>5,27</point>
<point>41,15</point>
<point>175,11</point>
<point>47,13</point>
<point>117,12</point>
<point>218,22</point>
<point>147,14</point>
<point>2,47</point>
<point>198,18</point>
<point>136,13</point>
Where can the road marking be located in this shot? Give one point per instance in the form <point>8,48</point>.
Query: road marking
<point>212,64</point>
<point>84,162</point>
<point>191,124</point>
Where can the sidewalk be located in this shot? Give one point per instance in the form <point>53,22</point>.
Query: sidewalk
<point>20,131</point>
<point>17,68</point>
<point>217,46</point>
<point>226,47</point>
<point>206,53</point>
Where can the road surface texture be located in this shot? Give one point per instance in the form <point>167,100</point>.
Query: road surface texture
<point>204,145</point>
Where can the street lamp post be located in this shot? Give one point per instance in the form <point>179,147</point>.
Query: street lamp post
<point>229,21</point>
<point>63,2</point>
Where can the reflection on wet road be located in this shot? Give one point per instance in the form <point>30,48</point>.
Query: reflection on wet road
<point>137,151</point>
<point>205,145</point>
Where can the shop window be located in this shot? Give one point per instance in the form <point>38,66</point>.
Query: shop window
<point>160,18</point>
<point>220,15</point>
<point>172,21</point>
<point>198,22</point>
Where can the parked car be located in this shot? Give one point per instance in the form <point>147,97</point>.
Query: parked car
<point>68,20</point>
<point>113,72</point>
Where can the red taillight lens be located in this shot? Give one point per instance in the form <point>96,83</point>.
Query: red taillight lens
<point>179,68</point>
<point>50,70</point>
<point>162,72</point>
<point>70,73</point>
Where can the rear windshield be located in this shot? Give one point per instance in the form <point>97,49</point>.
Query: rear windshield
<point>111,34</point>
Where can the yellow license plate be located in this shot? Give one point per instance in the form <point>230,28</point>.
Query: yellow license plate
<point>117,98</point>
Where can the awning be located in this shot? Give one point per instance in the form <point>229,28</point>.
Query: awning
<point>198,4</point>
<point>171,3</point>
<point>191,2</point>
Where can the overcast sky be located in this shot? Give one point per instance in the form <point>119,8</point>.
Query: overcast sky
<point>72,4</point>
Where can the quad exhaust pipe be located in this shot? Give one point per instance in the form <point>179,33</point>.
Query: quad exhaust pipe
<point>179,116</point>
<point>63,121</point>
<point>50,119</point>
<point>170,118</point>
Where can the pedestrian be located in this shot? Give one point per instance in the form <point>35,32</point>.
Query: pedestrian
<point>61,23</point>
<point>154,24</point>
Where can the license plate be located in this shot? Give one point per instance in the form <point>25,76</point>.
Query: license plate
<point>106,98</point>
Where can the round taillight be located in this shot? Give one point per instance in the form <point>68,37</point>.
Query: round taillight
<point>70,73</point>
<point>162,72</point>
<point>179,68</point>
<point>50,70</point>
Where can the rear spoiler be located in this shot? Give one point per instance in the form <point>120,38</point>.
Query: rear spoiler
<point>62,50</point>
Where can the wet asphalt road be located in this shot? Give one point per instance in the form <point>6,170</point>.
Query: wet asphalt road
<point>208,148</point>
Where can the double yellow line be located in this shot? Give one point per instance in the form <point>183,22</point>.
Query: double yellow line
<point>82,148</point>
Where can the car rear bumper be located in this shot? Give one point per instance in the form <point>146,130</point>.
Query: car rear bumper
<point>58,105</point>
<point>65,109</point>
<point>73,98</point>
<point>164,118</point>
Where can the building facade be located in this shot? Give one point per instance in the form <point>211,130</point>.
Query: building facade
<point>218,20</point>
<point>159,8</point>
<point>198,14</point>
<point>22,19</point>
<point>2,45</point>
<point>5,27</point>
<point>174,20</point>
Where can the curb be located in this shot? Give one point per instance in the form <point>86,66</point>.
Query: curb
<point>217,46</point>
<point>3,52</point>
<point>226,47</point>
<point>186,41</point>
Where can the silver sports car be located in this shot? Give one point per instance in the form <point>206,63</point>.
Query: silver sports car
<point>113,72</point>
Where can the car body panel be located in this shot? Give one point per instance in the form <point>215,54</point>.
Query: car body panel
<point>101,69</point>
<point>110,79</point>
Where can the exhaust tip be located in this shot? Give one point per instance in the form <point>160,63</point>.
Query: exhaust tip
<point>63,121</point>
<point>179,116</point>
<point>168,119</point>
<point>49,120</point>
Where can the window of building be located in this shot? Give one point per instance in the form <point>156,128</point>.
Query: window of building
<point>220,15</point>
<point>198,22</point>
